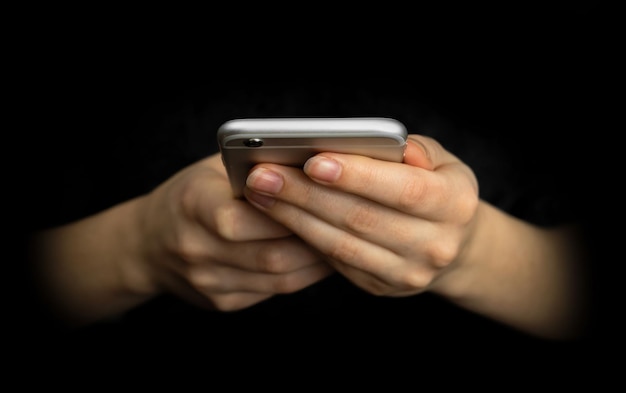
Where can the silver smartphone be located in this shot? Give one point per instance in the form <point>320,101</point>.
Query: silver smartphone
<point>244,143</point>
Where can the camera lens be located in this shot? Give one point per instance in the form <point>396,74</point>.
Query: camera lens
<point>253,142</point>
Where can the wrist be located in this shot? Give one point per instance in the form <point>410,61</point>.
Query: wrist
<point>133,262</point>
<point>522,275</point>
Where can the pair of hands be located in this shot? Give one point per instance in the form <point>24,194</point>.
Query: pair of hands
<point>392,229</point>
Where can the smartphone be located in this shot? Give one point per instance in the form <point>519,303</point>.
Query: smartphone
<point>244,143</point>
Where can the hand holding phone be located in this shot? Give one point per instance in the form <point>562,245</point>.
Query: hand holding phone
<point>244,143</point>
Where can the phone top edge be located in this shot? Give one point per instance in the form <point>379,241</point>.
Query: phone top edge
<point>312,127</point>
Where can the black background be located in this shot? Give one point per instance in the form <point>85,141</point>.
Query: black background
<point>110,108</point>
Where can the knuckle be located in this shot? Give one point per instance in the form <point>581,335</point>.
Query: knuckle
<point>366,178</point>
<point>188,249</point>
<point>201,282</point>
<point>271,260</point>
<point>411,194</point>
<point>416,280</point>
<point>188,195</point>
<point>345,250</point>
<point>362,218</point>
<point>226,218</point>
<point>226,303</point>
<point>466,206</point>
<point>443,252</point>
<point>195,281</point>
<point>284,284</point>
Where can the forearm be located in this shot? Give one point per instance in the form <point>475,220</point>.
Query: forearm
<point>528,277</point>
<point>88,270</point>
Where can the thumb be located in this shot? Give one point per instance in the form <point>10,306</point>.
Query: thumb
<point>417,154</point>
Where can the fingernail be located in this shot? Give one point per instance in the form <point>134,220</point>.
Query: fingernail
<point>322,168</point>
<point>259,199</point>
<point>265,181</point>
<point>421,146</point>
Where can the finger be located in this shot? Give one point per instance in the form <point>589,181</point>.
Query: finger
<point>378,285</point>
<point>414,190</point>
<point>271,256</point>
<point>397,187</point>
<point>237,301</point>
<point>375,261</point>
<point>354,214</point>
<point>214,301</point>
<point>417,153</point>
<point>236,220</point>
<point>211,203</point>
<point>331,240</point>
<point>278,256</point>
<point>222,279</point>
<point>362,279</point>
<point>375,268</point>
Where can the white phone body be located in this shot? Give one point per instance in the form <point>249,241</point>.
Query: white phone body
<point>244,143</point>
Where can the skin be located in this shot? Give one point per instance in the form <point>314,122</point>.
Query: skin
<point>395,229</point>
<point>188,237</point>
<point>403,229</point>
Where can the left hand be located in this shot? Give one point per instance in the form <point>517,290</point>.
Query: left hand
<point>390,228</point>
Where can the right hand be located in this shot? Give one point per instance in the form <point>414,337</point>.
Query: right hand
<point>201,244</point>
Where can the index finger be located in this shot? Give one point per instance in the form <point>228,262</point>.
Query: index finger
<point>428,177</point>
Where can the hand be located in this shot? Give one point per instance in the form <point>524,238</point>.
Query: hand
<point>188,237</point>
<point>217,251</point>
<point>391,228</point>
